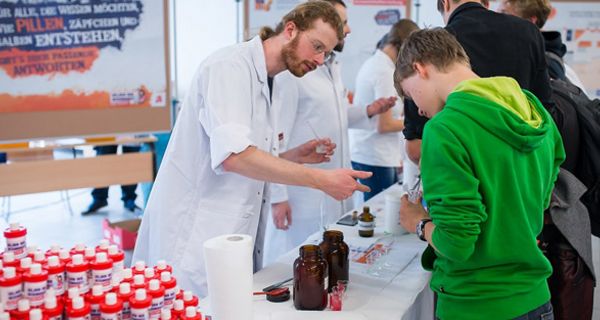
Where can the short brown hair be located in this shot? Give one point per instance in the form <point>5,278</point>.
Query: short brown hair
<point>434,46</point>
<point>304,15</point>
<point>526,9</point>
<point>400,31</point>
<point>440,4</point>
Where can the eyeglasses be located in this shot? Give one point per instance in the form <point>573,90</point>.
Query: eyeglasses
<point>318,47</point>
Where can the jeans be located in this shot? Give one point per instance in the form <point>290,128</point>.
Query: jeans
<point>543,312</point>
<point>128,191</point>
<point>382,178</point>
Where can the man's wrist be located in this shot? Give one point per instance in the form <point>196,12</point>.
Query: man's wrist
<point>420,228</point>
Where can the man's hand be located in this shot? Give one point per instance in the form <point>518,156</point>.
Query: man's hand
<point>340,184</point>
<point>411,213</point>
<point>381,105</point>
<point>312,151</point>
<point>282,215</point>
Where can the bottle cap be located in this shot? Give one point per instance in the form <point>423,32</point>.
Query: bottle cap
<point>8,256</point>
<point>9,272</point>
<point>77,303</point>
<point>125,287</point>
<point>25,263</point>
<point>154,284</point>
<point>165,276</point>
<point>139,280</point>
<point>50,302</point>
<point>165,314</point>
<point>73,293</point>
<point>126,273</point>
<point>35,314</point>
<point>32,249</point>
<point>53,261</point>
<point>64,254</point>
<point>4,316</point>
<point>77,259</point>
<point>113,249</point>
<point>140,265</point>
<point>161,264</point>
<point>188,295</point>
<point>101,257</point>
<point>178,305</point>
<point>97,290</point>
<point>111,298</point>
<point>23,305</point>
<point>90,252</point>
<point>104,243</point>
<point>190,312</point>
<point>140,294</point>
<point>36,268</point>
<point>149,273</point>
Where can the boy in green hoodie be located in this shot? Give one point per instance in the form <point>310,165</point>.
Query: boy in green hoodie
<point>490,156</point>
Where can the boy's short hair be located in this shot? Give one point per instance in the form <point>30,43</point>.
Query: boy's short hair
<point>434,46</point>
<point>540,9</point>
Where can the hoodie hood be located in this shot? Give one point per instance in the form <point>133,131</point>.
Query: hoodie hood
<point>554,43</point>
<point>500,106</point>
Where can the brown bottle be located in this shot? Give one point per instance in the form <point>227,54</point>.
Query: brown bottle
<point>310,279</point>
<point>335,251</point>
<point>366,223</point>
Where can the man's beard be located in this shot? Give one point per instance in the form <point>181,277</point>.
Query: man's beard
<point>291,60</point>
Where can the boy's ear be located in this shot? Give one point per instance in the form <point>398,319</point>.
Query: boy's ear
<point>421,70</point>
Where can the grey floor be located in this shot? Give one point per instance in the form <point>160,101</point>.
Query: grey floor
<point>49,221</point>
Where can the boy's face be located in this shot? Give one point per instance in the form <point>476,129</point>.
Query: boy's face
<point>421,90</point>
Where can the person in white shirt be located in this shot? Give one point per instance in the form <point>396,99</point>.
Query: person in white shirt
<point>224,147</point>
<point>318,107</point>
<point>381,149</point>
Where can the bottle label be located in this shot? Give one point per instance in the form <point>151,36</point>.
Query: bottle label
<point>110,316</point>
<point>17,246</point>
<point>57,282</point>
<point>366,226</point>
<point>95,311</point>
<point>10,296</point>
<point>102,278</point>
<point>157,304</point>
<point>78,280</point>
<point>34,292</point>
<point>170,298</point>
<point>139,314</point>
<point>126,314</point>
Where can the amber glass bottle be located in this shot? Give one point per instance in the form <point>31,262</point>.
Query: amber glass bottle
<point>366,223</point>
<point>335,251</point>
<point>310,279</point>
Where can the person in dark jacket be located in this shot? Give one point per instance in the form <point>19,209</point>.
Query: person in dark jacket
<point>497,45</point>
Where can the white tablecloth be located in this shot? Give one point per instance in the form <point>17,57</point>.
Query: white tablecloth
<point>405,295</point>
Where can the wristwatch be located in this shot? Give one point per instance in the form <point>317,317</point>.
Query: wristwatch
<point>421,228</point>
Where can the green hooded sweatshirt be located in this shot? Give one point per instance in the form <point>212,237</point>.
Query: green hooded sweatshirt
<point>489,162</point>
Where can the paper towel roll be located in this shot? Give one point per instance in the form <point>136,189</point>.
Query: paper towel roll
<point>228,261</point>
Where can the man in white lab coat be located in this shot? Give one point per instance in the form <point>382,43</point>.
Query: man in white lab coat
<point>315,106</point>
<point>224,147</point>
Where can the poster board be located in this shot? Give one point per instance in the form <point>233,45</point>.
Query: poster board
<point>369,20</point>
<point>83,67</point>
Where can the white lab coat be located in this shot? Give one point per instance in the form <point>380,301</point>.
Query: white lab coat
<point>320,99</point>
<point>193,199</point>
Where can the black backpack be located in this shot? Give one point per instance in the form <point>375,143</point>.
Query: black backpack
<point>578,120</point>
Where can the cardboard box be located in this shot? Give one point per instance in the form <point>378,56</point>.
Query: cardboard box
<point>122,233</point>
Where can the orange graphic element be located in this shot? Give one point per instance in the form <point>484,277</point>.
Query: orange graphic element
<point>598,44</point>
<point>18,64</point>
<point>552,13</point>
<point>67,100</point>
<point>264,5</point>
<point>579,33</point>
<point>584,44</point>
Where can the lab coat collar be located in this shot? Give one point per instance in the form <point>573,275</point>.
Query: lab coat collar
<point>258,57</point>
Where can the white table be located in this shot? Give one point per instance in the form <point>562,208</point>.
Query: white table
<point>403,296</point>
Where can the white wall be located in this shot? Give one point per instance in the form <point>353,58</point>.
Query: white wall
<point>201,26</point>
<point>425,13</point>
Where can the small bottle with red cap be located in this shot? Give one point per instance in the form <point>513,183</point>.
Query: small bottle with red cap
<point>170,284</point>
<point>31,250</point>
<point>39,257</point>
<point>118,258</point>
<point>10,288</point>
<point>78,310</point>
<point>52,309</point>
<point>9,260</point>
<point>103,246</point>
<point>189,299</point>
<point>4,315</point>
<point>77,274</point>
<point>124,294</point>
<point>24,265</point>
<point>139,267</point>
<point>89,256</point>
<point>191,313</point>
<point>78,249</point>
<point>139,282</point>
<point>165,314</point>
<point>140,305</point>
<point>16,240</point>
<point>111,308</point>
<point>72,293</point>
<point>179,293</point>
<point>56,274</point>
<point>162,266</point>
<point>127,275</point>
<point>178,309</point>
<point>64,256</point>
<point>94,298</point>
<point>102,271</point>
<point>54,250</point>
<point>35,283</point>
<point>150,275</point>
<point>157,292</point>
<point>22,310</point>
<point>35,314</point>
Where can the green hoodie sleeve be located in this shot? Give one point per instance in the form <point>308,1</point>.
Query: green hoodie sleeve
<point>451,193</point>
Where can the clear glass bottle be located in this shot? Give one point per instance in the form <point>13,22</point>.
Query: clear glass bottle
<point>310,279</point>
<point>335,251</point>
<point>366,223</point>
